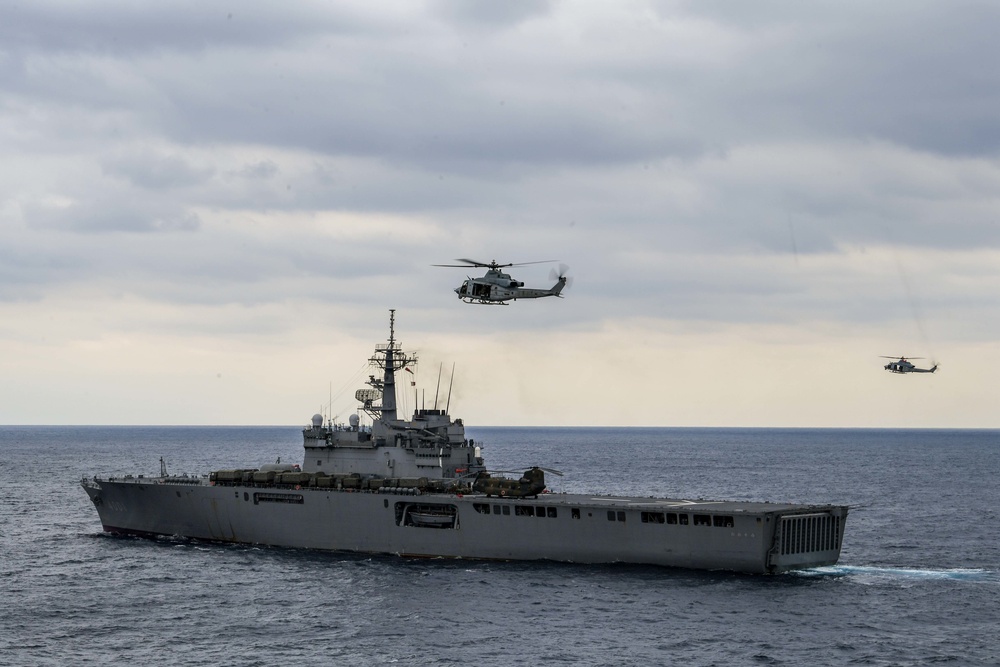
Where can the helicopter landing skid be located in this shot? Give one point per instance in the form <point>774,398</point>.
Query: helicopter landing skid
<point>484,302</point>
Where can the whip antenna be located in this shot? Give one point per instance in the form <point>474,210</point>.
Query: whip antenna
<point>437,390</point>
<point>451,383</point>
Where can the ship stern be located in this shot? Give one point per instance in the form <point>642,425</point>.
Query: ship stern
<point>807,539</point>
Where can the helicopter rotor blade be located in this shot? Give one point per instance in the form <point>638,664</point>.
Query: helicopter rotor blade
<point>473,262</point>
<point>521,472</point>
<point>467,264</point>
<point>491,265</point>
<point>470,262</point>
<point>897,356</point>
<point>541,261</point>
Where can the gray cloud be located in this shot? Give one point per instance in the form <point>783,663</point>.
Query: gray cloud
<point>102,216</point>
<point>123,29</point>
<point>491,13</point>
<point>338,84</point>
<point>263,170</point>
<point>155,172</point>
<point>520,129</point>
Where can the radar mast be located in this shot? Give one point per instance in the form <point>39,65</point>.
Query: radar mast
<point>390,358</point>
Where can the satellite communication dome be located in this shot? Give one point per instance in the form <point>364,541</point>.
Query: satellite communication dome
<point>355,420</point>
<point>317,420</point>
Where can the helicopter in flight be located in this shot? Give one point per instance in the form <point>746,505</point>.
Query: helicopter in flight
<point>903,365</point>
<point>497,287</point>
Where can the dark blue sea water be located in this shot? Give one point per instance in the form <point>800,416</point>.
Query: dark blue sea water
<point>918,582</point>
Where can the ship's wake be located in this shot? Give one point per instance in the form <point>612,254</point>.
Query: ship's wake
<point>874,574</point>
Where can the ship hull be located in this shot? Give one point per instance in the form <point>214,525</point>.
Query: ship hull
<point>759,538</point>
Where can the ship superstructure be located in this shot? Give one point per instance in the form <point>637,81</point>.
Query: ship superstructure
<point>419,487</point>
<point>430,445</point>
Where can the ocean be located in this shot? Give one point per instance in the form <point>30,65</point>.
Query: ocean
<point>918,581</point>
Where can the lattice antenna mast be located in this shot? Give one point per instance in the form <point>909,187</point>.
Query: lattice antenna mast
<point>390,358</point>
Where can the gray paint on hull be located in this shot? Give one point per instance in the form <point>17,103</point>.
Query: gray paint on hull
<point>366,522</point>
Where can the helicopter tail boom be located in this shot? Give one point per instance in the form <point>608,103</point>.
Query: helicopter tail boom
<point>558,287</point>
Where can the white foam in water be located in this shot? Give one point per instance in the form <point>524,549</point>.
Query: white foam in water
<point>968,574</point>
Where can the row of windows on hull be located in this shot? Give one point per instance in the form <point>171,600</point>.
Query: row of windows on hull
<point>719,521</point>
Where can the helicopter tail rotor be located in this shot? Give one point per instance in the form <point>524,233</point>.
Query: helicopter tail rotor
<point>560,276</point>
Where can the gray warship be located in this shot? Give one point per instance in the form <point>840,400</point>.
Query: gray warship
<point>420,488</point>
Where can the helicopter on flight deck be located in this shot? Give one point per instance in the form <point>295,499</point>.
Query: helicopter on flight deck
<point>903,365</point>
<point>497,287</point>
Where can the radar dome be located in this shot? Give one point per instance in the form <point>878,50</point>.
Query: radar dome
<point>317,420</point>
<point>355,420</point>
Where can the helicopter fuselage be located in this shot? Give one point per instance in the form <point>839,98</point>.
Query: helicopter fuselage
<point>904,366</point>
<point>486,290</point>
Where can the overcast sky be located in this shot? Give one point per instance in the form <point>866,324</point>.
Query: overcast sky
<point>207,209</point>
